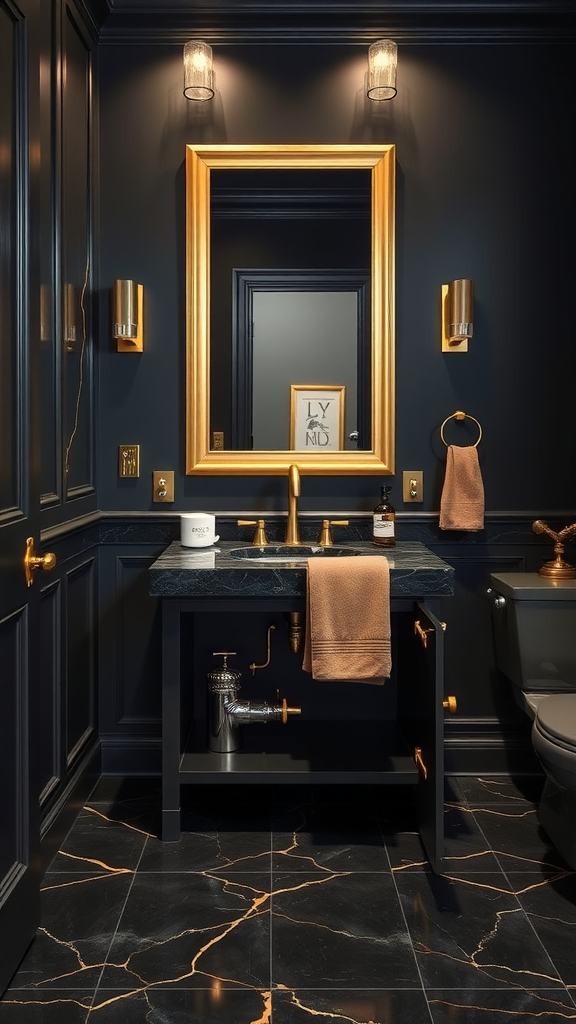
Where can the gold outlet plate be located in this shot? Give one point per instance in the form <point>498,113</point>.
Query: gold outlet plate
<point>129,460</point>
<point>217,440</point>
<point>413,485</point>
<point>163,485</point>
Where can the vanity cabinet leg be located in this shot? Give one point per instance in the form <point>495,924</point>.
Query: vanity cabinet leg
<point>170,721</point>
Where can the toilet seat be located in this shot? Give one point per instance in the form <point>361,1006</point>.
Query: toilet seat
<point>554,736</point>
<point>556,718</point>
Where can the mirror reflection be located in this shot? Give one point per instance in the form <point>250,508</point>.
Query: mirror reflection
<point>290,287</point>
<point>290,274</point>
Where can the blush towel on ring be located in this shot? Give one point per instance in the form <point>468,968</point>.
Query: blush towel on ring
<point>348,619</point>
<point>462,502</point>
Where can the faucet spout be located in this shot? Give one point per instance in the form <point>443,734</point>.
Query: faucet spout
<point>292,528</point>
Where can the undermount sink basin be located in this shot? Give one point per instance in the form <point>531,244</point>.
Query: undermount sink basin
<point>290,553</point>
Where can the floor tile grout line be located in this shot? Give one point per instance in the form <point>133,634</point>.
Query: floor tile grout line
<point>119,918</point>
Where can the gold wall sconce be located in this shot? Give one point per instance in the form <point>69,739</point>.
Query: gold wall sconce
<point>457,315</point>
<point>128,316</point>
<point>382,64</point>
<point>198,73</point>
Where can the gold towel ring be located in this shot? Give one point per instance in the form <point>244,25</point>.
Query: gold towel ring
<point>459,415</point>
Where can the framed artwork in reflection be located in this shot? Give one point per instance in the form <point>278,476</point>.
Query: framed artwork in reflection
<point>317,417</point>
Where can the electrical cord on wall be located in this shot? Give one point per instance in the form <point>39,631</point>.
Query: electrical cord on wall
<point>81,377</point>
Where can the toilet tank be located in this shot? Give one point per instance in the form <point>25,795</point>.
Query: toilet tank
<point>534,623</point>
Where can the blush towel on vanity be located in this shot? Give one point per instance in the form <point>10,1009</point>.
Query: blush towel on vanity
<point>348,619</point>
<point>462,502</point>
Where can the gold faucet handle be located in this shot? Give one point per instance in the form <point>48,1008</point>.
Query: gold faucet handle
<point>259,539</point>
<point>325,538</point>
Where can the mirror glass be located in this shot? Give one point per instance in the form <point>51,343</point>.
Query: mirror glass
<point>290,277</point>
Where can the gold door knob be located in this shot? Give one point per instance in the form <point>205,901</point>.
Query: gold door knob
<point>451,705</point>
<point>32,561</point>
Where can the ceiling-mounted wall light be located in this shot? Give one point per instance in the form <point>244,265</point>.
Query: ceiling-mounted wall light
<point>198,70</point>
<point>128,316</point>
<point>382,62</point>
<point>457,315</point>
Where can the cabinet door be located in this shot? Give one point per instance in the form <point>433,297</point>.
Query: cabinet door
<point>421,718</point>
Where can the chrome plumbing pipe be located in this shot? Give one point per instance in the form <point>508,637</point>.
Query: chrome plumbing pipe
<point>226,712</point>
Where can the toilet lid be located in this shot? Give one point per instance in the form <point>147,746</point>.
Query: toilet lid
<point>556,716</point>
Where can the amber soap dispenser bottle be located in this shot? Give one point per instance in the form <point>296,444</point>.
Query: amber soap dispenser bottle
<point>384,521</point>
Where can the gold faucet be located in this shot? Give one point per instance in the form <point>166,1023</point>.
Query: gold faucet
<point>292,529</point>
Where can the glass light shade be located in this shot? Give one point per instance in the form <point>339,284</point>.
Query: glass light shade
<point>382,62</point>
<point>198,71</point>
<point>125,309</point>
<point>460,309</point>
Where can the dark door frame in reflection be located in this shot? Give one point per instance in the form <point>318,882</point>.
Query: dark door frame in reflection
<point>245,283</point>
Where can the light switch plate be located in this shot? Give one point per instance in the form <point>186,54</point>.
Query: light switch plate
<point>163,485</point>
<point>413,485</point>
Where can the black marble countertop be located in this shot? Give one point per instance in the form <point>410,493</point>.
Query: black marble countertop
<point>415,572</point>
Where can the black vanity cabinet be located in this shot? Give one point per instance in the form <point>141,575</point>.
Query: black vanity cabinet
<point>406,747</point>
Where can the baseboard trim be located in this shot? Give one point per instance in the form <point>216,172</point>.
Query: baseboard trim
<point>63,813</point>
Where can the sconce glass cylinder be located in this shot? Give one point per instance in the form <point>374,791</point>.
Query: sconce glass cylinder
<point>382,63</point>
<point>460,309</point>
<point>198,70</point>
<point>125,307</point>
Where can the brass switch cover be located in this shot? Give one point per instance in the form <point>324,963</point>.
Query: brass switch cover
<point>163,485</point>
<point>129,460</point>
<point>413,485</point>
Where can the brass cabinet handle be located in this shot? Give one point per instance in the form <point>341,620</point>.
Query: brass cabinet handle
<point>419,762</point>
<point>450,704</point>
<point>33,561</point>
<point>422,633</point>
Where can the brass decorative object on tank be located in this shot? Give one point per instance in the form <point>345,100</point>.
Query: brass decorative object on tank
<point>558,568</point>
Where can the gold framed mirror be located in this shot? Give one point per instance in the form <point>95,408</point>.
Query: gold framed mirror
<point>200,161</point>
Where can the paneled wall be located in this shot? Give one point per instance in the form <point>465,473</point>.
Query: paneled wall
<point>479,195</point>
<point>68,753</point>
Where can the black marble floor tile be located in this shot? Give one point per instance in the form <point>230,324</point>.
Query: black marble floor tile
<point>79,916</point>
<point>99,843</point>
<point>213,1005</point>
<point>349,1006</point>
<point>54,1007</point>
<point>517,838</point>
<point>470,931</point>
<point>192,929</point>
<point>339,930</point>
<point>514,1006</point>
<point>481,792</point>
<point>283,904</point>
<point>134,801</point>
<point>346,850</point>
<point>464,843</point>
<point>550,904</point>
<point>207,848</point>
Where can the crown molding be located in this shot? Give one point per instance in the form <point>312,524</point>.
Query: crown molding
<point>322,22</point>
